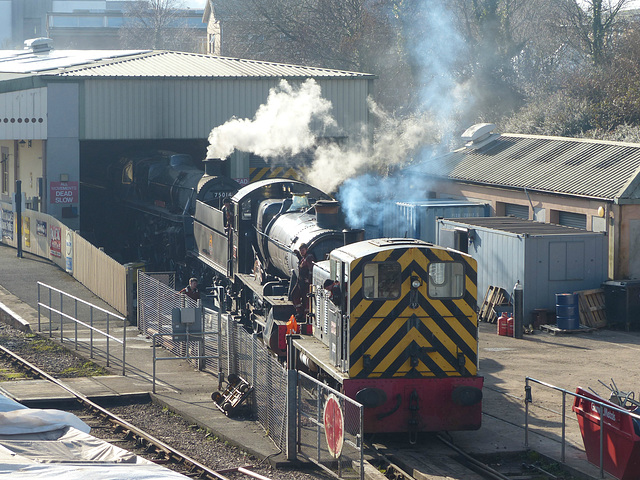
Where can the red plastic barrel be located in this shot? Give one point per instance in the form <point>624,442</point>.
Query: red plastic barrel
<point>621,442</point>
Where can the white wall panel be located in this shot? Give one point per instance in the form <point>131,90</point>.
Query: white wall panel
<point>23,114</point>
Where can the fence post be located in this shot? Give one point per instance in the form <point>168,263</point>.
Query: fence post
<point>50,312</point>
<point>292,377</point>
<point>124,346</point>
<point>75,315</point>
<point>527,400</point>
<point>564,415</point>
<point>601,412</point>
<point>107,339</point>
<point>61,320</point>
<point>220,372</point>
<point>39,328</point>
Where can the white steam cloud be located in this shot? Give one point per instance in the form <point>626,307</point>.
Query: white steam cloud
<point>282,126</point>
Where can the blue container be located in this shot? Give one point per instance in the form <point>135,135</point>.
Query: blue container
<point>567,313</point>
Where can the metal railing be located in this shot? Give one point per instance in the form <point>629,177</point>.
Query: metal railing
<point>344,459</point>
<point>62,316</point>
<point>601,407</point>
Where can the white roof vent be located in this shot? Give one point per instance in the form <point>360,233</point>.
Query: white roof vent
<point>38,45</point>
<point>478,133</point>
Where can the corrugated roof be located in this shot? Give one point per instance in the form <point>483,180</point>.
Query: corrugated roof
<point>180,64</point>
<point>519,226</point>
<point>26,61</point>
<point>590,168</point>
<point>147,63</point>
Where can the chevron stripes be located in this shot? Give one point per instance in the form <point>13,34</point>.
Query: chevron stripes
<point>263,173</point>
<point>413,335</point>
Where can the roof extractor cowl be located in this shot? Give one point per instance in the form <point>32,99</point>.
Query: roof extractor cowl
<point>39,45</point>
<point>478,134</point>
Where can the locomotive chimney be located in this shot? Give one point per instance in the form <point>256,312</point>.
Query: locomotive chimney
<point>214,167</point>
<point>327,213</point>
<point>352,235</point>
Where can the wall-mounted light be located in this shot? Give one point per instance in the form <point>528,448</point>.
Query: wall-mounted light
<point>22,143</point>
<point>29,144</point>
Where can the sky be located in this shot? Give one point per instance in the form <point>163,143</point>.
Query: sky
<point>195,3</point>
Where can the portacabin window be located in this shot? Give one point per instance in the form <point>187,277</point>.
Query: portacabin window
<point>381,280</point>
<point>446,280</point>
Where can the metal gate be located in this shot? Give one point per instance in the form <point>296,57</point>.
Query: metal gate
<point>330,429</point>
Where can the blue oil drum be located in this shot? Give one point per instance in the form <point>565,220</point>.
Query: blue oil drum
<point>567,313</point>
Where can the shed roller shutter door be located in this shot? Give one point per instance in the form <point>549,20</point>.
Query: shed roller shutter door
<point>569,219</point>
<point>520,211</point>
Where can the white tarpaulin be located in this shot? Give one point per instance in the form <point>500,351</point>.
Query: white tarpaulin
<point>51,444</point>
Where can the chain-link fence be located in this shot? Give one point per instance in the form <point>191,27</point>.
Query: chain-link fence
<point>236,351</point>
<point>329,428</point>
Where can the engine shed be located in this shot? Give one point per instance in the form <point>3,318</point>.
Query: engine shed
<point>68,114</point>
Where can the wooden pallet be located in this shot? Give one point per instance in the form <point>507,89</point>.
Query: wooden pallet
<point>494,297</point>
<point>591,305</point>
<point>554,329</point>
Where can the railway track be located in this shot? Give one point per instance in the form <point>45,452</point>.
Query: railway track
<point>148,445</point>
<point>438,458</point>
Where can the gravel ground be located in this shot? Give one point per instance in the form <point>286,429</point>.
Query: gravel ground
<point>172,429</point>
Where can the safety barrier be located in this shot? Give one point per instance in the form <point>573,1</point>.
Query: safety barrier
<point>330,428</point>
<point>109,317</point>
<point>600,413</point>
<point>230,349</point>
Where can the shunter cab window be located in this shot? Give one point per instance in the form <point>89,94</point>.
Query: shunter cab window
<point>381,280</point>
<point>446,280</point>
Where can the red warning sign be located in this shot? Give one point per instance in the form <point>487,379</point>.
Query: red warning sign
<point>334,426</point>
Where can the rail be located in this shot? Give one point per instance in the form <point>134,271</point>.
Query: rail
<point>600,408</point>
<point>59,312</point>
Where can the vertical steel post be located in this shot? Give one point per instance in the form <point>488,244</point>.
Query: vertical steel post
<point>564,415</point>
<point>61,320</point>
<point>124,346</point>
<point>153,341</point>
<point>220,374</point>
<point>601,412</point>
<point>39,327</point>
<point>50,321</point>
<point>107,339</point>
<point>292,378</point>
<point>18,198</point>
<point>75,316</point>
<point>527,400</point>
<point>91,332</point>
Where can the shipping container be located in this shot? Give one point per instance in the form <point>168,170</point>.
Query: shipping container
<point>418,219</point>
<point>547,259</point>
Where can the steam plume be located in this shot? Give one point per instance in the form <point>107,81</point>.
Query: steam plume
<point>282,126</point>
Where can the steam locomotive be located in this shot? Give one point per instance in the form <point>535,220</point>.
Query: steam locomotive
<point>390,322</point>
<point>158,191</point>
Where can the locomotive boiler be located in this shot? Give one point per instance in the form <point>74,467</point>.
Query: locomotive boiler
<point>390,322</point>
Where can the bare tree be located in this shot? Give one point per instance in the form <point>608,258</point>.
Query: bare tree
<point>591,26</point>
<point>157,24</point>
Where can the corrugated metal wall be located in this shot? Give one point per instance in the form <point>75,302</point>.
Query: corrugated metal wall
<point>123,108</point>
<point>23,114</point>
<point>545,264</point>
